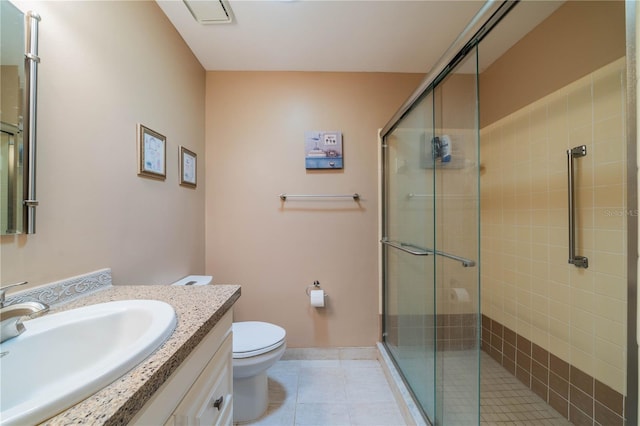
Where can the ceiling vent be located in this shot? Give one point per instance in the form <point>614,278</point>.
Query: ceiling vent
<point>210,11</point>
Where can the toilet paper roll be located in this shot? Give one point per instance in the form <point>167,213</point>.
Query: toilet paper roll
<point>317,298</point>
<point>459,295</point>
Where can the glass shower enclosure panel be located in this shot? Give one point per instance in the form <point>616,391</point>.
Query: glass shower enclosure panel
<point>409,271</point>
<point>457,243</point>
<point>431,247</point>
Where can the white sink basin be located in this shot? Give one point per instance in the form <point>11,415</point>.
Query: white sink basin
<point>63,358</point>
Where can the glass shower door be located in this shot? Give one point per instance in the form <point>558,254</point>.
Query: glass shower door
<point>409,272</point>
<point>431,247</point>
<point>457,225</point>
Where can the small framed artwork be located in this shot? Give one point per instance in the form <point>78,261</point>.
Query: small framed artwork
<point>152,153</point>
<point>188,163</point>
<point>323,150</point>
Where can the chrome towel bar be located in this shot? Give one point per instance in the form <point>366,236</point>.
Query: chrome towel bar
<point>356,196</point>
<point>578,261</point>
<point>419,251</point>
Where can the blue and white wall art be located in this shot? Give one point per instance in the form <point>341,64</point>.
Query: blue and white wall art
<point>323,150</point>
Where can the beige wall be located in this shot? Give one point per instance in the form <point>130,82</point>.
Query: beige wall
<point>255,151</point>
<point>527,285</point>
<point>578,38</point>
<point>105,67</point>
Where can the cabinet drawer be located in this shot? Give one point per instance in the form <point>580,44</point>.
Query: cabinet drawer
<point>209,401</point>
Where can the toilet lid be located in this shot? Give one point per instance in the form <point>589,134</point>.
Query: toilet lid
<point>251,338</point>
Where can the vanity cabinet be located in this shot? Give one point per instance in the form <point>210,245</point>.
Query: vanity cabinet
<point>200,391</point>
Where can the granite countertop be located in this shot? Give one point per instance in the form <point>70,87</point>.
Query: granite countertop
<point>198,309</point>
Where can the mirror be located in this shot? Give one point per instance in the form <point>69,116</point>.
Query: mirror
<point>18,74</point>
<point>12,86</point>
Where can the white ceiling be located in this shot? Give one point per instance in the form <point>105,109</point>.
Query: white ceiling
<point>337,35</point>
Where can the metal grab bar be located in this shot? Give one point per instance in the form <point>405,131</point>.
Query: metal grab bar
<point>578,261</point>
<point>356,196</point>
<point>419,251</point>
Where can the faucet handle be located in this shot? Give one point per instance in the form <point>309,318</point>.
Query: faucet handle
<point>3,289</point>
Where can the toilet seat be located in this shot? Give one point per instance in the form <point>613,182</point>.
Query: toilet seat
<point>252,338</point>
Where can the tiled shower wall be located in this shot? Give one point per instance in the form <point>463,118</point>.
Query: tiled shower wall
<point>577,315</point>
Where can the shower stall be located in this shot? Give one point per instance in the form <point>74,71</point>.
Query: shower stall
<point>477,268</point>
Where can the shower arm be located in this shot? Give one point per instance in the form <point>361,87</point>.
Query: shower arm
<point>419,251</point>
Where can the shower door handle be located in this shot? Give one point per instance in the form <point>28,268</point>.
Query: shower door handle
<point>419,251</point>
<point>407,248</point>
<point>578,261</point>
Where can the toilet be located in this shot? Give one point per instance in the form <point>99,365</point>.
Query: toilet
<point>256,347</point>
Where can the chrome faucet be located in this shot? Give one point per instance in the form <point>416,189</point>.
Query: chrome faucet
<point>12,316</point>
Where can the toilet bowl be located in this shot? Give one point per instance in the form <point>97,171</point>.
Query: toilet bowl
<point>256,347</point>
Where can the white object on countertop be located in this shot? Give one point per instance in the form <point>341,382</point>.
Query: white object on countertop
<point>194,280</point>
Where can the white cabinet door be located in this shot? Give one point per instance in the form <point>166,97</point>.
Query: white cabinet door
<point>209,401</point>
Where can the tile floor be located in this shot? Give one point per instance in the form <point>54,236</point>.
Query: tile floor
<point>330,393</point>
<point>348,392</point>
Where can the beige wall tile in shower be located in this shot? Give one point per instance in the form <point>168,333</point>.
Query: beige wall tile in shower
<point>610,331</point>
<point>610,353</point>
<point>560,274</point>
<point>558,217</point>
<point>614,286</point>
<point>609,263</point>
<point>539,252</point>
<point>611,376</point>
<point>560,330</point>
<point>558,253</point>
<point>585,239</point>
<point>608,218</point>
<point>523,219</point>
<point>583,341</point>
<point>541,286</point>
<point>582,360</point>
<point>609,129</point>
<point>610,240</point>
<point>583,320</point>
<point>557,197</point>
<point>529,211</point>
<point>557,243</point>
<point>582,286</point>
<point>559,347</point>
<point>523,328</point>
<point>540,305</point>
<point>611,196</point>
<point>579,105</point>
<point>608,99</point>
<point>608,307</point>
<point>560,311</point>
<point>609,174</point>
<point>557,122</point>
<point>538,127</point>
<point>583,299</point>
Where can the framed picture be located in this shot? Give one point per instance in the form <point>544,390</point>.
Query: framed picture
<point>152,153</point>
<point>323,150</point>
<point>188,163</point>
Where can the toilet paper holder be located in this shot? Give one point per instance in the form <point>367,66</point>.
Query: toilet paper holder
<point>314,286</point>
